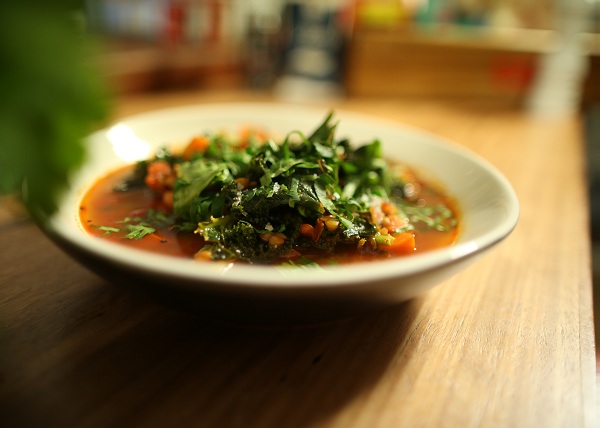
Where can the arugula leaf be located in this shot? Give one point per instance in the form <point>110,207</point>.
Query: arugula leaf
<point>323,150</point>
<point>325,131</point>
<point>193,178</point>
<point>321,186</point>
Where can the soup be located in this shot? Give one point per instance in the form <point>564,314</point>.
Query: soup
<point>313,200</point>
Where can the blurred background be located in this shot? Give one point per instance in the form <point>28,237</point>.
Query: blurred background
<point>541,54</point>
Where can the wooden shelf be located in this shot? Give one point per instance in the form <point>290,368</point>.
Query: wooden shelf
<point>507,39</point>
<point>446,61</point>
<point>135,66</point>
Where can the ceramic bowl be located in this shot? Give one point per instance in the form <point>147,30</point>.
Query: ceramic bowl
<point>265,294</point>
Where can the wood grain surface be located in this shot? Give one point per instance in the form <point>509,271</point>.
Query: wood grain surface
<point>507,343</point>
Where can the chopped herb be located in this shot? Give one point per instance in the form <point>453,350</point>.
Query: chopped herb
<point>138,231</point>
<point>107,229</point>
<point>138,227</point>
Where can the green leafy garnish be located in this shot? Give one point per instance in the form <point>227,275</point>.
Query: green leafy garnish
<point>139,227</point>
<point>108,230</point>
<point>138,231</point>
<point>266,202</point>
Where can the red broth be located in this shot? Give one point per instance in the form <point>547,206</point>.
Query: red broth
<point>103,207</point>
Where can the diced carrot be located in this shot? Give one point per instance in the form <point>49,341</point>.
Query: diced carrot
<point>197,145</point>
<point>388,208</point>
<point>404,243</point>
<point>246,133</point>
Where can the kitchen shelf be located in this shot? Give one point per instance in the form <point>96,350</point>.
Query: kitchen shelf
<point>132,65</point>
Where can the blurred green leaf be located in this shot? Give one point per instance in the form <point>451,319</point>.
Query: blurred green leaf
<point>50,97</point>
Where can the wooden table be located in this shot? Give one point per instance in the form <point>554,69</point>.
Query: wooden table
<point>507,343</point>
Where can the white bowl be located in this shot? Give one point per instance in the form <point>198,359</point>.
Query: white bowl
<point>259,294</point>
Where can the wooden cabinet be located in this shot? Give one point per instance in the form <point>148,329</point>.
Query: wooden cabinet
<point>446,62</point>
